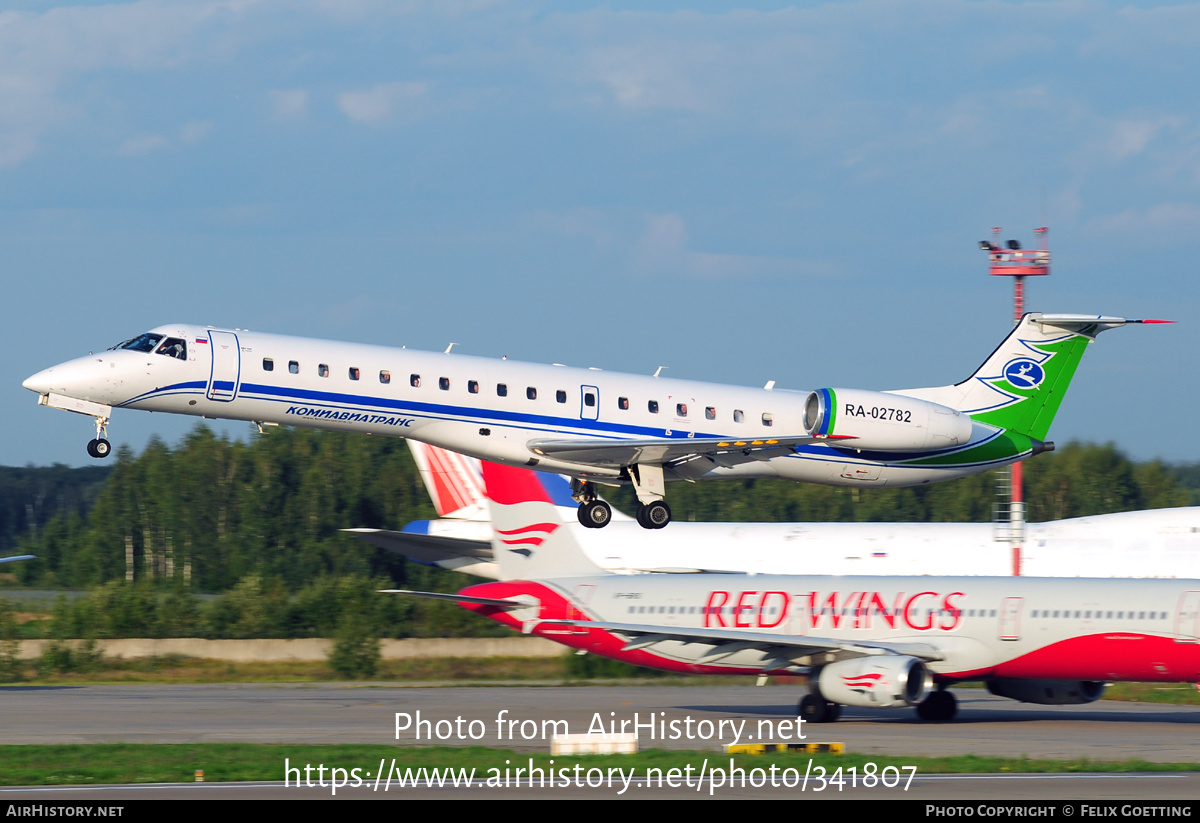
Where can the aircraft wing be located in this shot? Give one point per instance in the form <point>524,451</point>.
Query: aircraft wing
<point>17,557</point>
<point>426,548</point>
<point>786,649</point>
<point>666,451</point>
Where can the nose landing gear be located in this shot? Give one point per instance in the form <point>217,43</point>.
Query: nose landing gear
<point>100,447</point>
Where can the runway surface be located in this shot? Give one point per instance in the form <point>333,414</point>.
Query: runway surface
<point>335,713</point>
<point>693,717</point>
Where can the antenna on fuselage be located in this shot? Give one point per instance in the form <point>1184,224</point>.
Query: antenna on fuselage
<point>448,348</point>
<point>658,371</point>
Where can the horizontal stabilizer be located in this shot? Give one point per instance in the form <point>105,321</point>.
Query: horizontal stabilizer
<point>460,598</point>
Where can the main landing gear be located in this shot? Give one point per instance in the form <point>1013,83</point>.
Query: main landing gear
<point>100,447</point>
<point>656,515</point>
<point>938,707</point>
<point>593,512</point>
<point>813,708</point>
<point>647,480</point>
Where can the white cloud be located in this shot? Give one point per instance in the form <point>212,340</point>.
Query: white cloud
<point>663,250</point>
<point>143,144</point>
<point>195,131</point>
<point>289,103</point>
<point>378,103</point>
<point>1181,220</point>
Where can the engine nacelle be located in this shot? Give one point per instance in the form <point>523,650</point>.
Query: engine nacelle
<point>876,681</point>
<point>1048,692</point>
<point>879,421</point>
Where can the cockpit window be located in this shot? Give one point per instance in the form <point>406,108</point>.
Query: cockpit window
<point>174,347</point>
<point>145,342</point>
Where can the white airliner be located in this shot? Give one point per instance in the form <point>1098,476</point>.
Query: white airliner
<point>595,426</point>
<point>1155,543</point>
<point>874,642</point>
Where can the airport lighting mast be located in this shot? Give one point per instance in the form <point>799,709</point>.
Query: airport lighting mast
<point>1012,261</point>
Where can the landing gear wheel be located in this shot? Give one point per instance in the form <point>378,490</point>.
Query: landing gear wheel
<point>99,447</point>
<point>938,707</point>
<point>815,709</point>
<point>595,515</point>
<point>654,516</point>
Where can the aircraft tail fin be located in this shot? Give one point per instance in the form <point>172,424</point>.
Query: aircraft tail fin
<point>1022,384</point>
<point>529,539</point>
<point>455,484</point>
<point>453,481</point>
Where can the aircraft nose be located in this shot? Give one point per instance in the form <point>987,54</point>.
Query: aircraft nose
<point>39,382</point>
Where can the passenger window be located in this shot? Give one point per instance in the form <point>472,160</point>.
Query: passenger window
<point>710,413</point>
<point>589,400</point>
<point>414,380</point>
<point>502,390</point>
<point>738,416</point>
<point>473,386</point>
<point>681,409</point>
<point>322,370</point>
<point>293,367</point>
<point>268,364</point>
<point>768,419</point>
<point>652,406</point>
<point>385,377</point>
<point>353,373</point>
<point>531,393</point>
<point>444,383</point>
<point>560,396</point>
<point>623,403</point>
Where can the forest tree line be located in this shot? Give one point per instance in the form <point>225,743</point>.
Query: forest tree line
<point>257,523</point>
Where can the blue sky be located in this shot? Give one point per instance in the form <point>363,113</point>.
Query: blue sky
<point>740,191</point>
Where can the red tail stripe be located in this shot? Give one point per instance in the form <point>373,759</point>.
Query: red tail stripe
<point>547,528</point>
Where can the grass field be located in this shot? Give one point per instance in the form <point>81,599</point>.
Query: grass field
<point>221,762</point>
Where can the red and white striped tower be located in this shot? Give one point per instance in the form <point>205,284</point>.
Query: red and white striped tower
<point>1012,261</point>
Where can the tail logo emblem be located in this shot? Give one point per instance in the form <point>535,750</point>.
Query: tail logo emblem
<point>1024,373</point>
<point>520,541</point>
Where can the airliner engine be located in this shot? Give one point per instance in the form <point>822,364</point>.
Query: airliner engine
<point>884,422</point>
<point>875,682</point>
<point>1048,692</point>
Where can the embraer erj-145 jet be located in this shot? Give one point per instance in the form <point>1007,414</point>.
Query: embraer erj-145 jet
<point>595,426</point>
<point>1153,543</point>
<point>873,642</point>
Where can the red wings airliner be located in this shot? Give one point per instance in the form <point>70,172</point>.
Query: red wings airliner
<point>873,642</point>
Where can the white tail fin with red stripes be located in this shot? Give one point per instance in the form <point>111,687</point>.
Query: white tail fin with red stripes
<point>529,540</point>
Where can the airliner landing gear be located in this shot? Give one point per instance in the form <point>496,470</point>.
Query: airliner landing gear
<point>648,485</point>
<point>938,707</point>
<point>593,513</point>
<point>100,447</point>
<point>654,516</point>
<point>814,708</point>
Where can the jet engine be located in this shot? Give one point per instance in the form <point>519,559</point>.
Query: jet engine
<point>884,422</point>
<point>875,682</point>
<point>1048,692</point>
